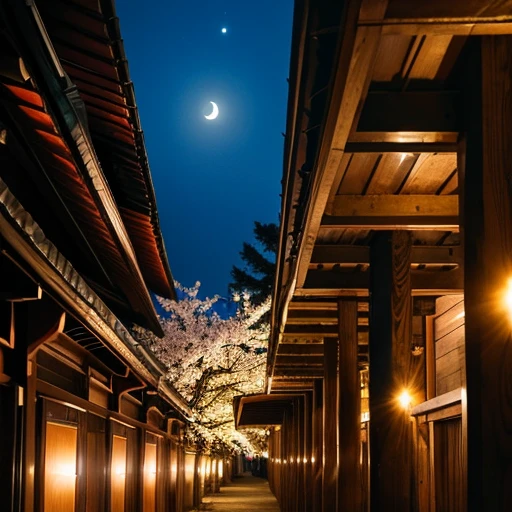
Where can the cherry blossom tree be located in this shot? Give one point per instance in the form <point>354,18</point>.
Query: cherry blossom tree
<point>210,359</point>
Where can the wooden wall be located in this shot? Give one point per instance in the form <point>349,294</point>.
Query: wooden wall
<point>449,343</point>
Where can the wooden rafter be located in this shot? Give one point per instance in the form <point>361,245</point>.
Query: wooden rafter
<point>359,254</point>
<point>432,111</point>
<point>394,211</point>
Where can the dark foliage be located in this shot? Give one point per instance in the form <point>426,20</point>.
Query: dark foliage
<point>257,275</point>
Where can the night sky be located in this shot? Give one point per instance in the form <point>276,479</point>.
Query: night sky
<point>213,179</point>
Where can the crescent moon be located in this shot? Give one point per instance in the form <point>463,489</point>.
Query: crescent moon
<point>215,112</point>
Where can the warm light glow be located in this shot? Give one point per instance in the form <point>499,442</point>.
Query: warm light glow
<point>150,459</point>
<point>312,460</point>
<point>305,460</point>
<point>508,298</point>
<point>65,470</point>
<point>118,474</point>
<point>150,468</point>
<point>285,461</point>
<point>221,469</point>
<point>60,467</point>
<point>265,454</point>
<point>365,416</point>
<point>405,399</point>
<point>291,460</point>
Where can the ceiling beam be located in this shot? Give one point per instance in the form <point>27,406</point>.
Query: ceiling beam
<point>439,17</point>
<point>299,335</point>
<point>304,361</point>
<point>317,330</point>
<point>339,254</point>
<point>431,111</point>
<point>404,138</point>
<point>298,373</point>
<point>298,349</point>
<point>393,212</point>
<point>399,147</point>
<point>320,282</point>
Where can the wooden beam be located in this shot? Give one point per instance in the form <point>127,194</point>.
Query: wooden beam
<point>300,360</point>
<point>423,282</point>
<point>327,305</point>
<point>457,17</point>
<point>298,373</point>
<point>403,138</point>
<point>349,419</point>
<point>415,27</point>
<point>359,254</point>
<point>432,111</point>
<point>399,147</point>
<point>317,316</point>
<point>328,331</point>
<point>296,349</point>
<point>394,210</point>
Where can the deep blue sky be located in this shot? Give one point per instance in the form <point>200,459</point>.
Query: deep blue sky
<point>213,179</point>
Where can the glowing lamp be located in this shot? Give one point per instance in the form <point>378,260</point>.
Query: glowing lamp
<point>405,400</point>
<point>508,298</point>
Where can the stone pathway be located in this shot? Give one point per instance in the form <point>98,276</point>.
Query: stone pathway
<point>245,494</point>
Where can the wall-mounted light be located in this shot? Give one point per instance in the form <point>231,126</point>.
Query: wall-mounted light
<point>507,298</point>
<point>405,400</point>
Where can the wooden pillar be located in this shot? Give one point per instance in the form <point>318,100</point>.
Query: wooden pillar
<point>330,428</point>
<point>392,370</point>
<point>317,455</point>
<point>487,406</point>
<point>349,425</point>
<point>301,495</point>
<point>308,482</point>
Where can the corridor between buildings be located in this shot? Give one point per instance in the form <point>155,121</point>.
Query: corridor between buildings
<point>244,494</point>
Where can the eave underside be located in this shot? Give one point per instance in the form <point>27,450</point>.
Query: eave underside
<point>382,157</point>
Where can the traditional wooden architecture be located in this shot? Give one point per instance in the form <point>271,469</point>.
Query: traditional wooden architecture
<point>391,351</point>
<point>88,422</point>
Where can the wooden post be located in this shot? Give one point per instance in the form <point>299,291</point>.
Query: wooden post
<point>392,370</point>
<point>349,485</point>
<point>330,448</point>
<point>317,456</point>
<point>486,407</point>
<point>308,482</point>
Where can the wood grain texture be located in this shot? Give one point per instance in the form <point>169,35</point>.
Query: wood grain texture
<point>392,369</point>
<point>317,457</point>
<point>488,245</point>
<point>349,423</point>
<point>330,427</point>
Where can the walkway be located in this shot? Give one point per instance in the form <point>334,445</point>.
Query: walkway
<point>244,494</point>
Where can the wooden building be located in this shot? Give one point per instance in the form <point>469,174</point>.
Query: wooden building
<point>390,363</point>
<point>88,423</point>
